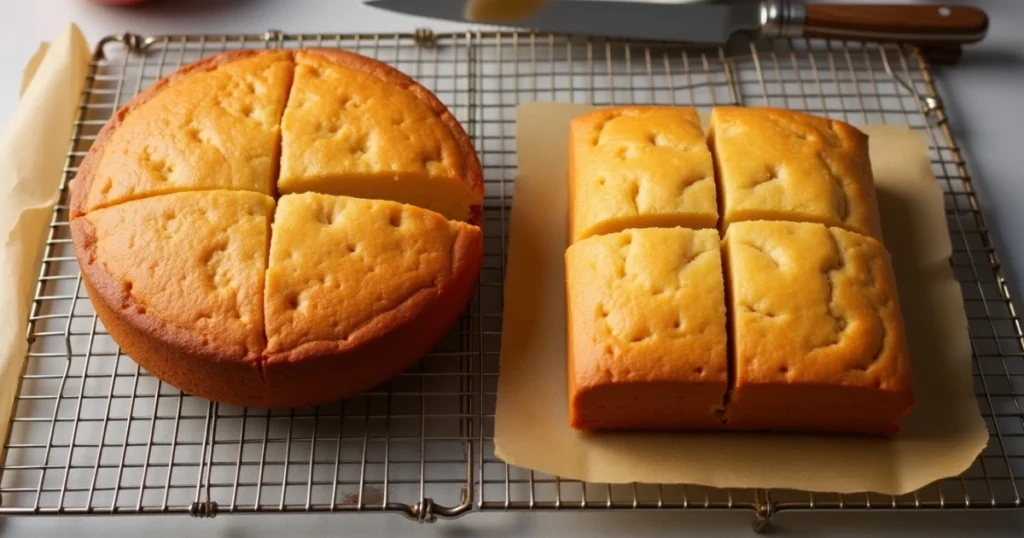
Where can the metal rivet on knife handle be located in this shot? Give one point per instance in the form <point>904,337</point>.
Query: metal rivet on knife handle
<point>780,18</point>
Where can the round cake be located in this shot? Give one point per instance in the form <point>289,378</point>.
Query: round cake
<point>279,228</point>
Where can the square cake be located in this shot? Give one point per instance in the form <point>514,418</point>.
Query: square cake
<point>816,326</point>
<point>637,167</point>
<point>784,165</point>
<point>647,331</point>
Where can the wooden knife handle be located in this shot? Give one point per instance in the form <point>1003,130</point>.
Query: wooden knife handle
<point>903,23</point>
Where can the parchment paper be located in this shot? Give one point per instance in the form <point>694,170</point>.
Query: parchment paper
<point>942,436</point>
<point>32,152</point>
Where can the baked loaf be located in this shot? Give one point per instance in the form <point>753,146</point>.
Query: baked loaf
<point>356,127</point>
<point>815,319</point>
<point>647,337</point>
<point>632,167</point>
<point>214,124</point>
<point>783,165</point>
<point>171,223</point>
<point>816,338</point>
<point>359,290</point>
<point>177,280</point>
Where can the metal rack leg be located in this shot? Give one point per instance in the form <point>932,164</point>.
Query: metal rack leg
<point>424,511</point>
<point>761,522</point>
<point>763,512</point>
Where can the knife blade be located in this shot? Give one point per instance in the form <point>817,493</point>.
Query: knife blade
<point>699,23</point>
<point>715,23</point>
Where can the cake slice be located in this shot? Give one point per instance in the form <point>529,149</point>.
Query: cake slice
<point>359,290</point>
<point>214,124</point>
<point>357,127</point>
<point>783,165</point>
<point>178,282</point>
<point>819,340</point>
<point>639,167</point>
<point>646,330</point>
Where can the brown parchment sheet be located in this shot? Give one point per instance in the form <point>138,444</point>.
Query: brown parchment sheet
<point>942,435</point>
<point>32,152</point>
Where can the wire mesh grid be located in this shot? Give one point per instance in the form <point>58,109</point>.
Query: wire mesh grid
<point>93,433</point>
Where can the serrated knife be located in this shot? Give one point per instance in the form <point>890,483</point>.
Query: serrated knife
<point>714,23</point>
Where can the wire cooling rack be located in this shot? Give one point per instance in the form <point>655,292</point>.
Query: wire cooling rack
<point>94,434</point>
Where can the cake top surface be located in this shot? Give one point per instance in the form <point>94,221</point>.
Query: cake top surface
<point>346,269</point>
<point>783,165</point>
<point>640,162</point>
<point>814,305</point>
<point>214,124</point>
<point>186,266</point>
<point>350,117</point>
<point>650,303</point>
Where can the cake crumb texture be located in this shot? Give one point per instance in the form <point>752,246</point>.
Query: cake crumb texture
<point>172,212</point>
<point>212,125</point>
<point>193,260</point>
<point>358,291</point>
<point>633,167</point>
<point>338,263</point>
<point>647,330</point>
<point>819,339</point>
<point>356,127</point>
<point>778,164</point>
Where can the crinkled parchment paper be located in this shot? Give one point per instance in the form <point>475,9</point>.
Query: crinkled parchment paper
<point>941,437</point>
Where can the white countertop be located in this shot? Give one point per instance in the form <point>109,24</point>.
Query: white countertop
<point>982,94</point>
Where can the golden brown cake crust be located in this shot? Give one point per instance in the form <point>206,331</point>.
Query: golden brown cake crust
<point>816,337</point>
<point>87,169</point>
<point>388,344</point>
<point>182,358</point>
<point>819,338</point>
<point>473,171</point>
<point>639,166</point>
<point>379,347</point>
<point>646,330</point>
<point>776,164</point>
<point>250,374</point>
<point>109,291</point>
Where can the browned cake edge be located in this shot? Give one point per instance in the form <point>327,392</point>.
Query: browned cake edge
<point>235,375</point>
<point>823,406</point>
<point>875,412</point>
<point>818,408</point>
<point>600,404</point>
<point>87,169</point>
<point>473,171</point>
<point>228,374</point>
<point>383,347</point>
